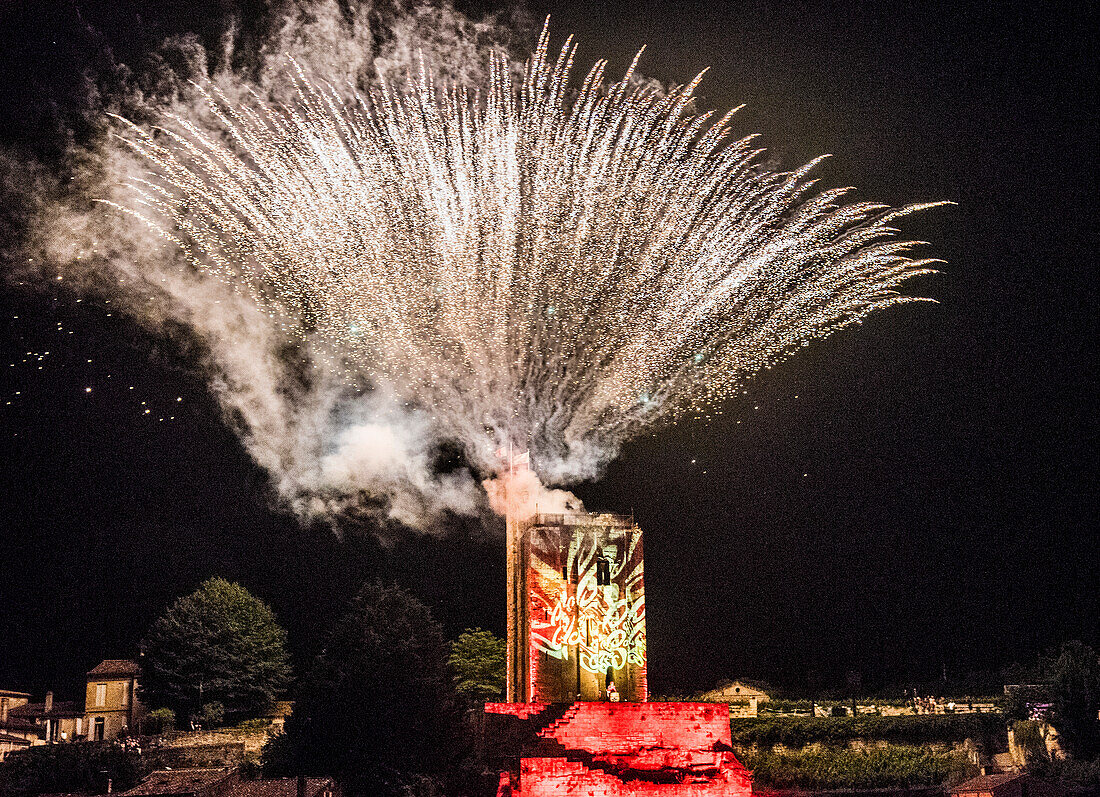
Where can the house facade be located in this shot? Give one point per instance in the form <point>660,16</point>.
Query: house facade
<point>744,699</point>
<point>111,704</point>
<point>16,733</point>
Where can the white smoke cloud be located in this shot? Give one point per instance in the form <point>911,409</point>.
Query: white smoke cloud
<point>330,445</point>
<point>524,494</point>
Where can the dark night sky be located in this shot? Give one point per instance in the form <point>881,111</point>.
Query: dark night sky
<point>914,494</point>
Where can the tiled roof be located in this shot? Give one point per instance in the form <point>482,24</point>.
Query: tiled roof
<point>108,667</point>
<point>280,787</point>
<point>61,708</point>
<point>12,693</point>
<point>180,781</point>
<point>7,737</point>
<point>17,724</point>
<point>986,782</point>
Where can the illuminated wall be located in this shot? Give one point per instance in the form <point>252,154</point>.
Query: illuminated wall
<point>626,750</point>
<point>583,612</point>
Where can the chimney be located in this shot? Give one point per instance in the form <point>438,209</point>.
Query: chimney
<point>301,786</point>
<point>3,710</point>
<point>49,702</point>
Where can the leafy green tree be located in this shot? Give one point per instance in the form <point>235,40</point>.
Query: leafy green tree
<point>477,661</point>
<point>1075,692</point>
<point>212,715</point>
<point>220,644</point>
<point>159,720</point>
<point>376,708</point>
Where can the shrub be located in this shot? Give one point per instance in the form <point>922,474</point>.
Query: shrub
<point>797,732</point>
<point>1079,776</point>
<point>1030,739</point>
<point>83,767</point>
<point>211,716</point>
<point>277,757</point>
<point>254,725</point>
<point>894,766</point>
<point>159,720</point>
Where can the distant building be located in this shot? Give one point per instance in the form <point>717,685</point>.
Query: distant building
<point>9,742</point>
<point>54,720</point>
<point>744,699</point>
<point>16,733</point>
<point>10,700</point>
<point>110,701</point>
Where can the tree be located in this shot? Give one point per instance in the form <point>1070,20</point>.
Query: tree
<point>376,708</point>
<point>85,768</point>
<point>159,720</point>
<point>1075,693</point>
<point>477,661</point>
<point>220,644</point>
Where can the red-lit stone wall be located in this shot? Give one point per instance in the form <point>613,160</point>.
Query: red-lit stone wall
<point>630,750</point>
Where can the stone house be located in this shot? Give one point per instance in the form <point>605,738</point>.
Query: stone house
<point>110,700</point>
<point>744,699</point>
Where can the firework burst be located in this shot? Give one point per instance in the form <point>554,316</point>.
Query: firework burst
<point>532,263</point>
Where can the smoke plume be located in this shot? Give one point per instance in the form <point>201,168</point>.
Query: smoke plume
<point>331,446</point>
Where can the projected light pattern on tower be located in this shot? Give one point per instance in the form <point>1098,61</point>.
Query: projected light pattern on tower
<point>584,617</point>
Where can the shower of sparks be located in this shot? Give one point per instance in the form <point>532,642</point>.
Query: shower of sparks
<point>531,263</point>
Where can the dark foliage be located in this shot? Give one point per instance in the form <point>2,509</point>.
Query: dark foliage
<point>1079,776</point>
<point>1018,702</point>
<point>376,708</point>
<point>219,645</point>
<point>1075,696</point>
<point>84,766</point>
<point>800,731</point>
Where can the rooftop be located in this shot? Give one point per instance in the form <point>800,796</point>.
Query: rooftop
<point>7,737</point>
<point>180,781</point>
<point>120,667</point>
<point>987,782</point>
<point>281,787</point>
<point>18,724</point>
<point>60,708</point>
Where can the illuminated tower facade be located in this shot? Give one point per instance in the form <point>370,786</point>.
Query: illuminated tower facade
<point>576,608</point>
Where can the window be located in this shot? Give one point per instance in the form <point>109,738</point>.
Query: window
<point>603,572</point>
<point>100,722</point>
<point>125,694</point>
<point>101,694</point>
